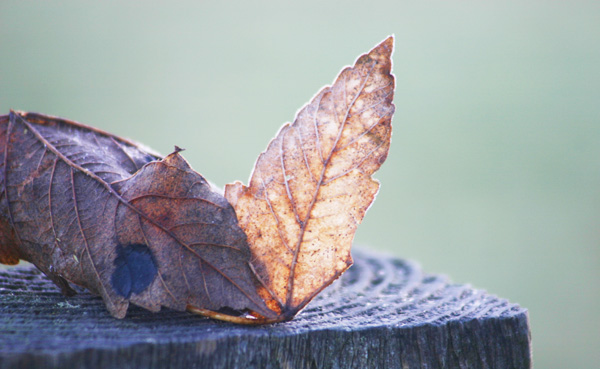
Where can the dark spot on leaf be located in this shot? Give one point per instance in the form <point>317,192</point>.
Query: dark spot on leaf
<point>135,269</point>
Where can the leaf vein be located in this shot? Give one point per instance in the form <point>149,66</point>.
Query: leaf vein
<point>325,183</point>
<point>274,214</point>
<point>290,290</point>
<point>285,177</point>
<point>85,242</point>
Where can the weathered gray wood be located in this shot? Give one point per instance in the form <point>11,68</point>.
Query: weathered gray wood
<point>383,313</point>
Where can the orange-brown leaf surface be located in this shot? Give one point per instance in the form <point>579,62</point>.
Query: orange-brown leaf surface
<point>312,186</point>
<point>92,209</point>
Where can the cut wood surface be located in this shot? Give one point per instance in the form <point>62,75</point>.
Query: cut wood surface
<point>383,313</point>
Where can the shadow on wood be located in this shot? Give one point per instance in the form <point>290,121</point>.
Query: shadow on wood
<point>383,313</point>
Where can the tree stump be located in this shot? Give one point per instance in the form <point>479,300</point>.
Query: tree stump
<point>382,313</point>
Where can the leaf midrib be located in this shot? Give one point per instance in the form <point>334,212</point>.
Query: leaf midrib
<point>326,163</point>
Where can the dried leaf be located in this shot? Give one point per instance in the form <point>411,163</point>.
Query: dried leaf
<point>312,186</point>
<point>93,209</point>
<point>101,212</point>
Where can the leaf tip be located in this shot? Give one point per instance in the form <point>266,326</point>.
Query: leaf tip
<point>388,42</point>
<point>176,160</point>
<point>384,49</point>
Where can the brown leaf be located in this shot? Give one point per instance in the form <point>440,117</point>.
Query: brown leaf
<point>312,186</point>
<point>101,212</point>
<point>93,209</point>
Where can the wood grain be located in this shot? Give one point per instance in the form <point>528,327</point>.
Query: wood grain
<point>383,313</point>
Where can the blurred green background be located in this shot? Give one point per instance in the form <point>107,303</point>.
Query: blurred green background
<point>494,172</point>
